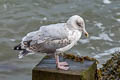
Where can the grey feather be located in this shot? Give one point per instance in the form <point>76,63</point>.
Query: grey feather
<point>53,38</point>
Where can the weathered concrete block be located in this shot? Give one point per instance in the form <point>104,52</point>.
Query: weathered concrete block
<point>46,70</point>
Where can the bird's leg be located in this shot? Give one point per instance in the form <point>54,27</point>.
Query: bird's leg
<point>61,65</point>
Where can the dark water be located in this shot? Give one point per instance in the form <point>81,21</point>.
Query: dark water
<point>18,17</point>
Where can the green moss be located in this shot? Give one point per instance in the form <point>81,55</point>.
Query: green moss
<point>90,73</point>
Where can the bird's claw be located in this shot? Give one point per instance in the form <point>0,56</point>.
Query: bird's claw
<point>63,65</point>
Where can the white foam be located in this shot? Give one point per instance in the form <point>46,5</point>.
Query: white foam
<point>112,34</point>
<point>45,18</point>
<point>97,56</point>
<point>5,6</point>
<point>84,41</point>
<point>107,2</point>
<point>118,13</point>
<point>13,40</point>
<point>105,37</point>
<point>107,52</point>
<point>118,20</point>
<point>95,38</point>
<point>102,36</point>
<point>100,26</point>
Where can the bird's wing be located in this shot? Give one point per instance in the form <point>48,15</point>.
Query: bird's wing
<point>49,37</point>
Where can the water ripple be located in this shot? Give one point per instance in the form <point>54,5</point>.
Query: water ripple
<point>107,52</point>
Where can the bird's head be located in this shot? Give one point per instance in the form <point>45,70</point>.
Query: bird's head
<point>77,22</point>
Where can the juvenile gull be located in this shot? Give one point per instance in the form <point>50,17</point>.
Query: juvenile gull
<point>54,38</point>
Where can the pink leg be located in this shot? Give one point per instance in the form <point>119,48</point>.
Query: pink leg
<point>61,65</point>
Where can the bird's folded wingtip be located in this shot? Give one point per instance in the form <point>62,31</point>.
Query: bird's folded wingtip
<point>18,47</point>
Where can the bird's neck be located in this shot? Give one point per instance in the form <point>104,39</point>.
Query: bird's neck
<point>74,35</point>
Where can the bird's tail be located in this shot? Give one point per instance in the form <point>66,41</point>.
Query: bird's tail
<point>23,53</point>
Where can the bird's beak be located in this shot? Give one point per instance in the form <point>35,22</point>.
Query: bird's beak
<point>86,33</point>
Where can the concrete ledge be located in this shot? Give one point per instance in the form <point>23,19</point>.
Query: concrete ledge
<point>46,70</point>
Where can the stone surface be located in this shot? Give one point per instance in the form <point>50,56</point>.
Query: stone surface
<point>46,70</point>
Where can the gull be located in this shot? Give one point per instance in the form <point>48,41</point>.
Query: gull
<point>53,39</point>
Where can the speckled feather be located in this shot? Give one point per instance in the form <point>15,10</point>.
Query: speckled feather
<point>53,38</point>
<point>48,38</point>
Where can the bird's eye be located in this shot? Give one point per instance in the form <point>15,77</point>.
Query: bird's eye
<point>79,24</point>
